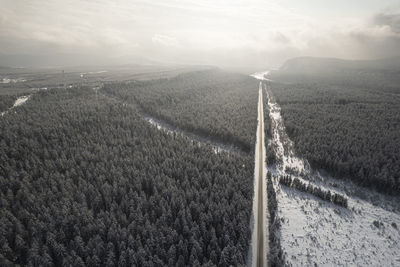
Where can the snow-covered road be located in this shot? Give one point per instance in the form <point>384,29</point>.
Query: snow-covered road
<point>259,244</point>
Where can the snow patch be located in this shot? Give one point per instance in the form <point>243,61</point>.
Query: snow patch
<point>20,100</point>
<point>261,75</point>
<point>9,80</point>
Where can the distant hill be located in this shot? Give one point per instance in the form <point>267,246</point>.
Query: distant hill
<point>318,65</point>
<point>384,72</point>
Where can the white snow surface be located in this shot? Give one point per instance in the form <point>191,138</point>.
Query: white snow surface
<point>10,80</point>
<point>317,232</point>
<point>314,231</point>
<point>21,100</point>
<point>261,75</point>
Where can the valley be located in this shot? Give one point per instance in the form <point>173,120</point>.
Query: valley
<point>204,167</point>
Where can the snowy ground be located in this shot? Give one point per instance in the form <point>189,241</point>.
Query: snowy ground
<point>9,80</point>
<point>316,232</point>
<point>21,100</point>
<point>261,75</point>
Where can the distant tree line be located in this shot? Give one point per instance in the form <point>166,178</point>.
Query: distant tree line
<point>352,132</point>
<point>88,182</point>
<point>211,103</point>
<point>326,195</point>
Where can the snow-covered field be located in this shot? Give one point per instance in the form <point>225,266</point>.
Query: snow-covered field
<point>10,80</point>
<point>316,232</point>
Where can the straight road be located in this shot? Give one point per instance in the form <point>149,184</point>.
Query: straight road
<point>259,259</point>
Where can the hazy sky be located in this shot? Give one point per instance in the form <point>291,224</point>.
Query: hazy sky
<point>259,33</point>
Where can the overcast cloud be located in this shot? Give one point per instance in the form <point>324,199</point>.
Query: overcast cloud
<point>246,33</point>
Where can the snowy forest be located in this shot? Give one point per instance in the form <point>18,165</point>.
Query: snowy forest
<point>87,181</point>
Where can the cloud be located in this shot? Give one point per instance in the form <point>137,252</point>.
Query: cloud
<point>391,20</point>
<point>165,40</point>
<point>254,33</point>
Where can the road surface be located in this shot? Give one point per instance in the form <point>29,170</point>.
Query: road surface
<point>260,237</point>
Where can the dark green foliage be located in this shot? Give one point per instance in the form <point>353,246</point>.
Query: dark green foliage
<point>326,195</point>
<point>6,102</point>
<point>350,131</point>
<point>86,182</point>
<point>377,224</point>
<point>267,119</point>
<point>271,155</point>
<point>213,104</point>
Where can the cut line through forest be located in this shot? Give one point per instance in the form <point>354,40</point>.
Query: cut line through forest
<point>218,147</point>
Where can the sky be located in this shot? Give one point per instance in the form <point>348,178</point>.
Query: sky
<point>228,33</point>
